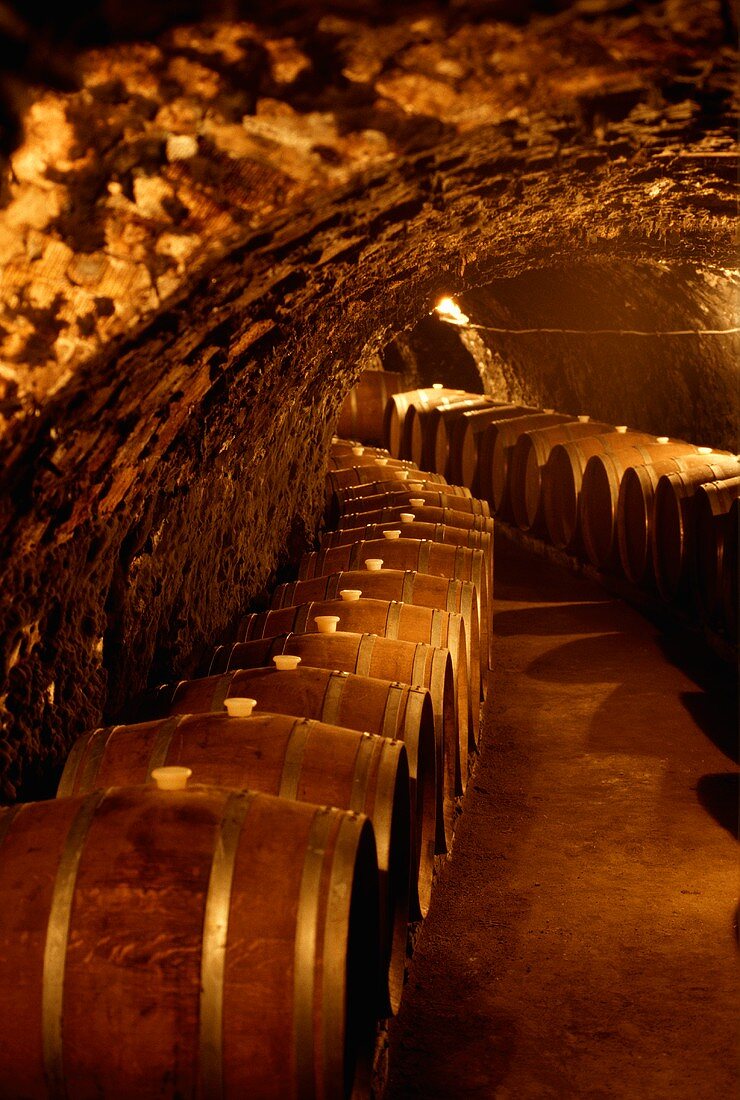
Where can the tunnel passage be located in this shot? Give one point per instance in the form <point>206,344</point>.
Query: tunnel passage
<point>204,243</point>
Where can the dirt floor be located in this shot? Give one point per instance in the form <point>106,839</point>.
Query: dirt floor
<point>582,939</point>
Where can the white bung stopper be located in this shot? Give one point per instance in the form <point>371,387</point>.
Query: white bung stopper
<point>391,534</point>
<point>350,594</point>
<point>380,461</point>
<point>661,439</point>
<point>171,778</point>
<point>407,517</point>
<point>437,386</point>
<point>327,624</point>
<point>286,662</point>
<point>621,429</point>
<point>703,450</point>
<point>373,565</point>
<point>358,450</point>
<point>416,502</point>
<point>584,419</point>
<point>416,484</point>
<point>238,707</point>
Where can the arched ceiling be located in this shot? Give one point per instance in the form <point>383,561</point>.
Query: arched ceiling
<point>203,245</point>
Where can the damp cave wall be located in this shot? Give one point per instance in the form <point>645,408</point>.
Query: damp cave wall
<point>179,330</point>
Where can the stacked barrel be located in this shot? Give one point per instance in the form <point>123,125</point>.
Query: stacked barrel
<point>218,902</point>
<point>661,512</point>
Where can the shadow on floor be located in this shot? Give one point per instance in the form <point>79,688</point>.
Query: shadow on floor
<point>716,715</point>
<point>581,618</point>
<point>719,794</point>
<point>592,659</point>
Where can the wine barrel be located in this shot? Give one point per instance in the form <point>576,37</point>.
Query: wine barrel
<point>455,439</point>
<point>353,446</point>
<point>495,449</point>
<point>424,424</point>
<point>410,587</point>
<point>294,758</point>
<point>602,479</point>
<point>391,620</point>
<point>402,497</point>
<point>712,505</point>
<point>672,533</point>
<point>391,710</point>
<point>436,532</point>
<point>635,506</point>
<point>171,944</point>
<point>406,480</point>
<point>399,411</point>
<point>362,414</point>
<point>367,458</point>
<point>730,573</point>
<point>418,664</point>
<point>531,452</point>
<point>423,513</point>
<point>562,478</point>
<point>440,559</point>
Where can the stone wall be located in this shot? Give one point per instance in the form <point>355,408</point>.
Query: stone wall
<point>203,246</point>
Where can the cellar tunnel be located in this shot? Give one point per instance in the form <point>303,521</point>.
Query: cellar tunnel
<point>207,238</point>
<point>214,220</point>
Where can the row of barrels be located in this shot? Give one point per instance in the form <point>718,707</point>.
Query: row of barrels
<point>217,903</point>
<point>659,511</point>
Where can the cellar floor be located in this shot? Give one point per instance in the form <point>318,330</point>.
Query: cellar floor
<point>581,941</point>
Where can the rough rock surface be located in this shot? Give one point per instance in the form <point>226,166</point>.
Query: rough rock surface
<point>203,245</point>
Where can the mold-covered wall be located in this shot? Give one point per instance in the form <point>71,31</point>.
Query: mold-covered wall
<point>203,246</point>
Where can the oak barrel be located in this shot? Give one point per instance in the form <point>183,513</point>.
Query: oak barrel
<point>562,478</point>
<point>495,449</point>
<point>424,426</point>
<point>531,452</point>
<point>294,758</point>
<point>399,411</point>
<point>602,479</point>
<point>635,512</point>
<point>363,411</point>
<point>672,531</point>
<point>432,498</point>
<point>407,586</point>
<point>184,944</point>
<point>730,567</point>
<point>367,458</point>
<point>712,506</point>
<point>390,620</point>
<point>419,664</point>
<point>423,513</point>
<point>391,710</point>
<point>459,440</point>
<point>437,558</point>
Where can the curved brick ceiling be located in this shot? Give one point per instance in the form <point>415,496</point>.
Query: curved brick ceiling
<point>202,245</point>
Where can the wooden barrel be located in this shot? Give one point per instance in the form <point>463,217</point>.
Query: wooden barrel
<point>339,446</point>
<point>712,505</point>
<point>337,498</point>
<point>424,425</point>
<point>362,414</point>
<point>439,559</point>
<point>361,472</point>
<point>294,758</point>
<point>350,461</point>
<point>635,512</point>
<point>408,586</point>
<point>495,448</point>
<point>672,532</point>
<point>399,411</point>
<point>389,619</point>
<point>418,664</point>
<point>531,452</point>
<point>602,479</point>
<point>463,435</point>
<point>436,532</point>
<point>422,512</point>
<point>730,566</point>
<point>391,710</point>
<point>562,478</point>
<point>170,944</point>
<point>402,497</point>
